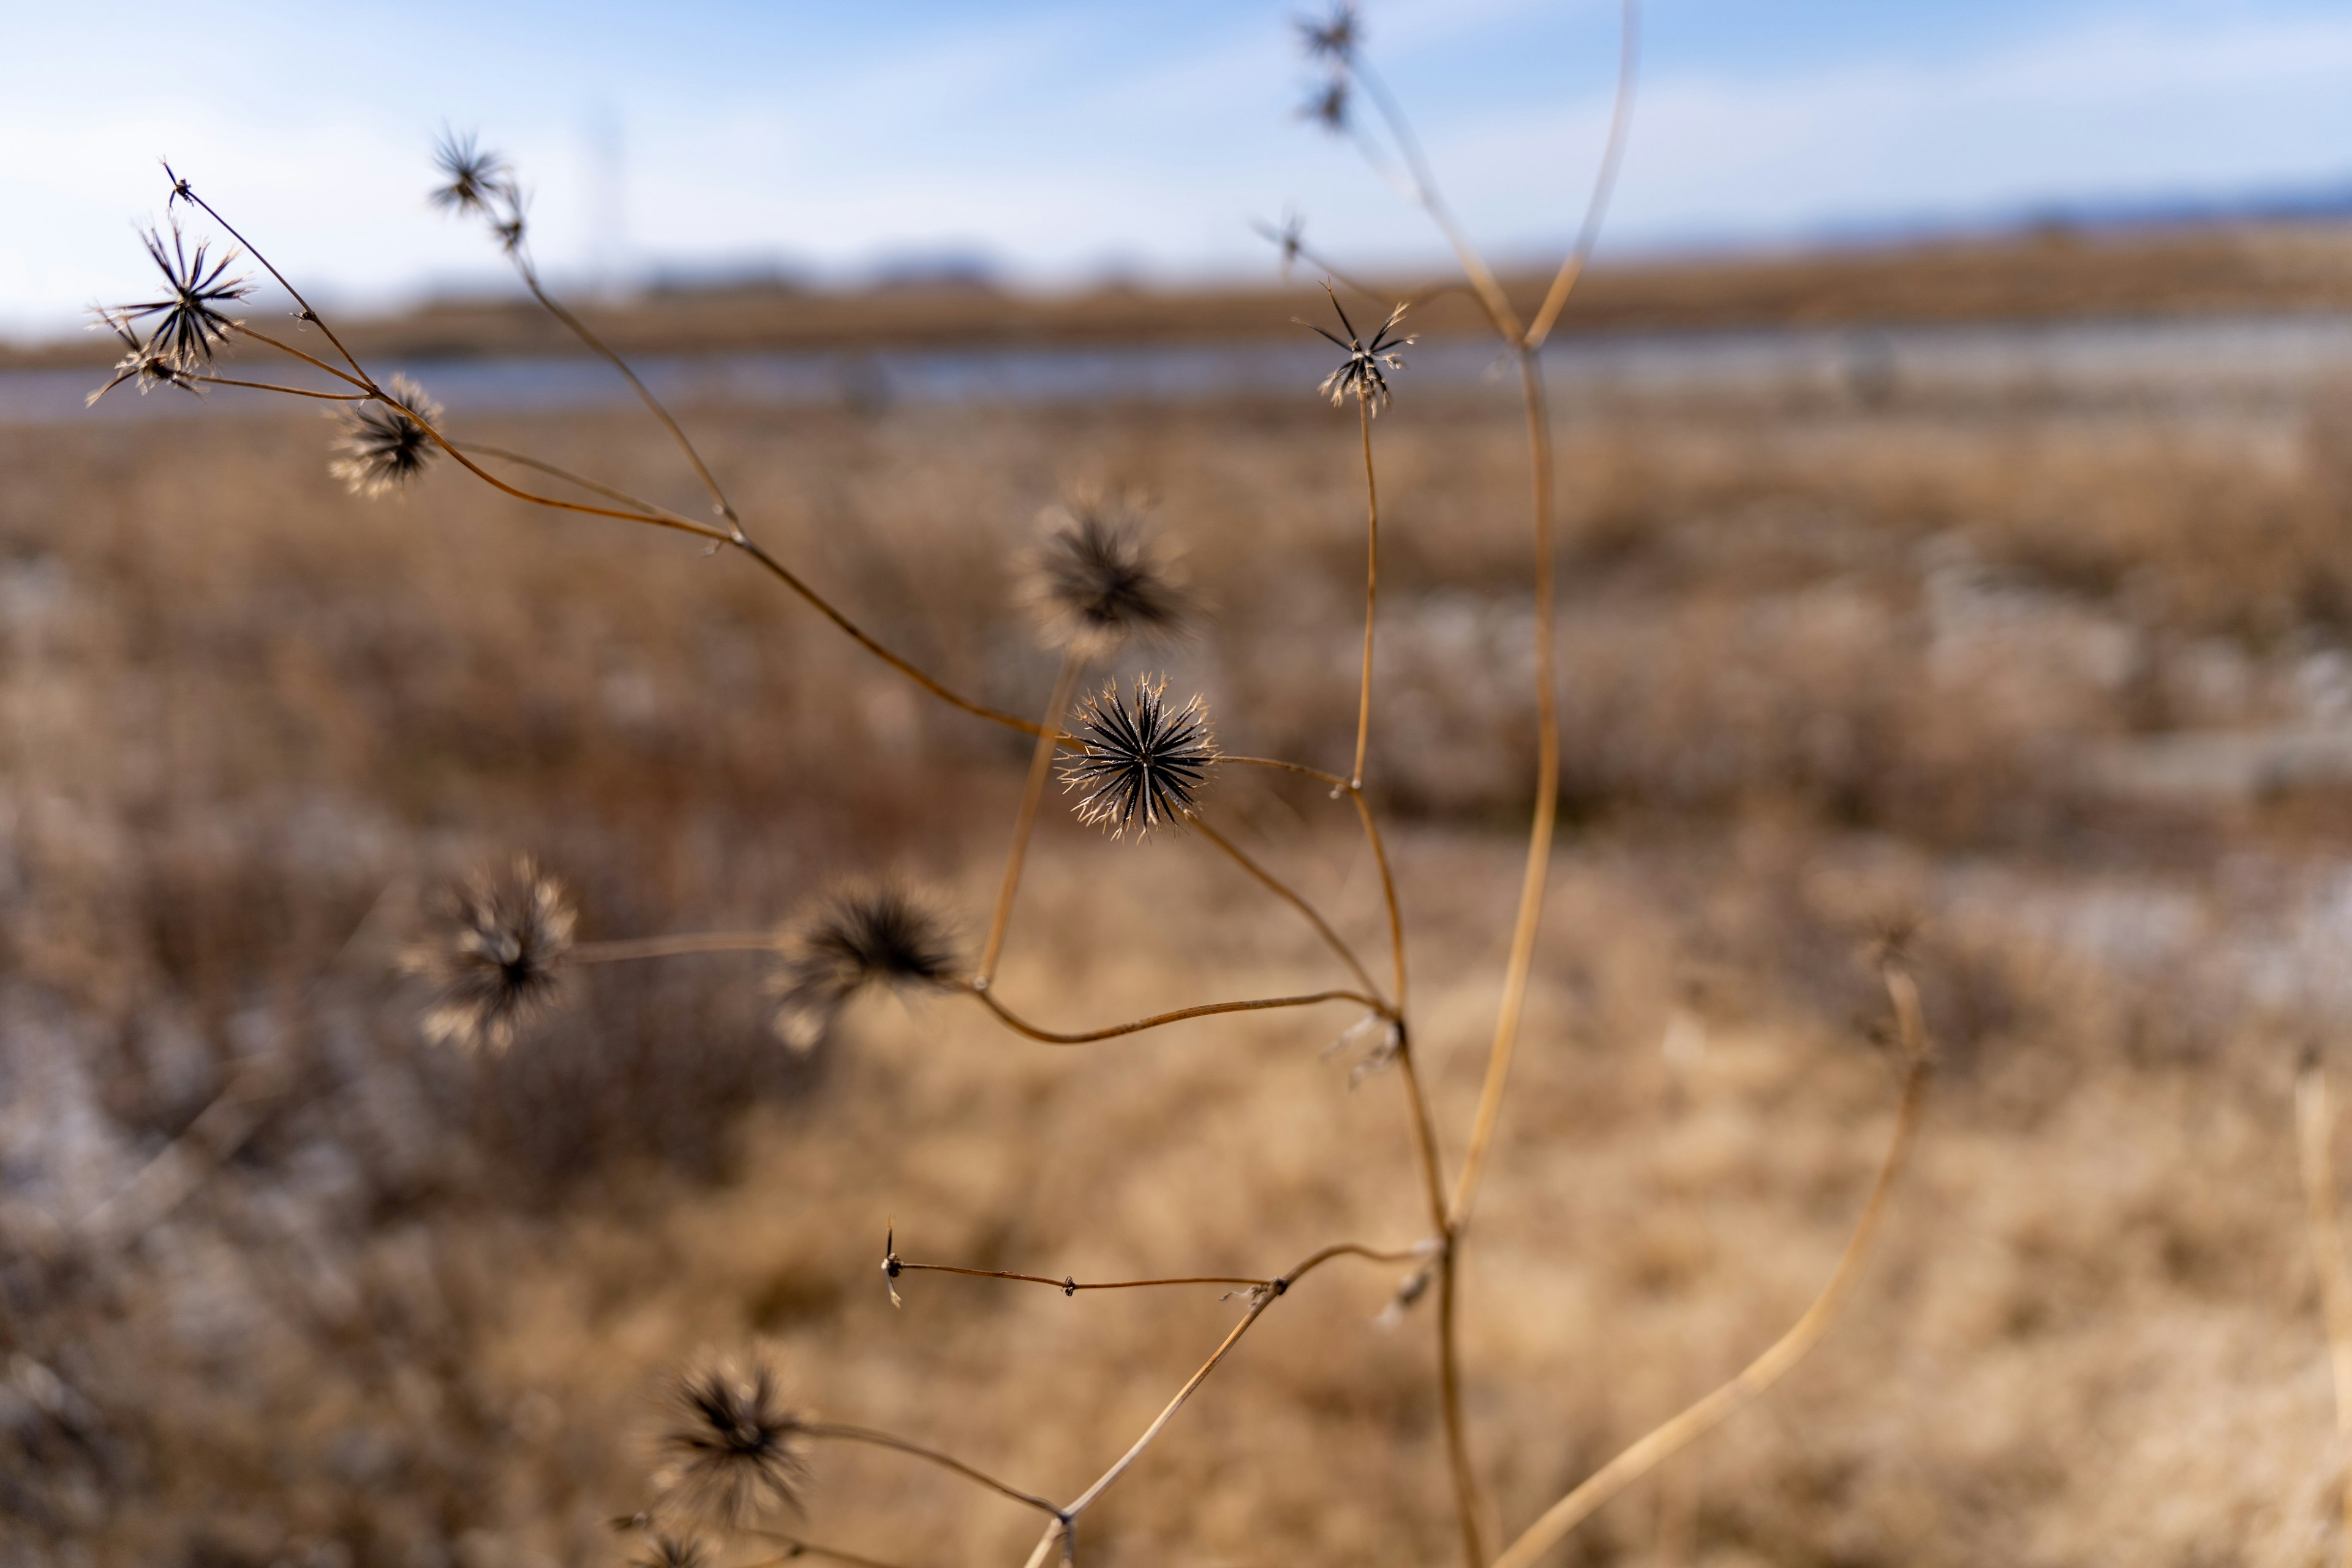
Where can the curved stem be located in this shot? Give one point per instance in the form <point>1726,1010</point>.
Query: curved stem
<point>1334,780</point>
<point>1620,122</point>
<point>598,487</point>
<point>1071,1286</point>
<point>1281,889</point>
<point>579,329</point>
<point>836,1431</point>
<point>1372,593</point>
<point>1759,1374</point>
<point>1424,193</point>
<point>1024,822</point>
<point>1539,834</point>
<point>181,188</point>
<point>1208,1009</point>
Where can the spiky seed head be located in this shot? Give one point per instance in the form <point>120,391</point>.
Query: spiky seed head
<point>384,444</point>
<point>1327,105</point>
<point>496,954</point>
<point>1364,372</point>
<point>175,335</point>
<point>1142,765</point>
<point>673,1551</point>
<point>1334,35</point>
<point>1099,581</point>
<point>867,934</point>
<point>474,182</point>
<point>731,1450</point>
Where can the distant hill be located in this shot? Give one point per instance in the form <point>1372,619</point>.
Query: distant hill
<point>2058,267</point>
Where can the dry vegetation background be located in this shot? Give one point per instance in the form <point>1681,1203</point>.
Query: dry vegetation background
<point>1826,667</point>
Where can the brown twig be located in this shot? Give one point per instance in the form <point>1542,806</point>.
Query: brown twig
<point>1371,592</point>
<point>1596,207</point>
<point>1208,1009</point>
<point>1784,1352</point>
<point>1284,891</point>
<point>1041,767</point>
<point>833,1431</point>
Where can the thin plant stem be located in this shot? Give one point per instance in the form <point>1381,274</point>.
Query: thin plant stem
<point>288,391</point>
<point>838,1432</point>
<point>625,949</point>
<point>2315,1126</point>
<point>1388,889</point>
<point>1020,1026</point>
<point>610,492</point>
<point>1071,1286</point>
<point>1041,767</point>
<point>1371,592</point>
<point>1334,780</point>
<point>361,380</point>
<point>1547,812</point>
<point>181,187</point>
<point>1620,123</point>
<point>1424,192</point>
<point>1283,890</point>
<point>1270,1291</point>
<point>580,330</point>
<point>1664,1440</point>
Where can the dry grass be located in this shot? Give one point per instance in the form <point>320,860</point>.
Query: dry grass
<point>1820,670</point>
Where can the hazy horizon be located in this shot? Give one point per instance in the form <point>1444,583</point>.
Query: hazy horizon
<point>1062,144</point>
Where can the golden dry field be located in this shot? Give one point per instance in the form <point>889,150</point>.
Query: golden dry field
<point>2062,686</point>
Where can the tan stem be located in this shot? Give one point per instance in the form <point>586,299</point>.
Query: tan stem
<point>1620,122</point>
<point>2315,1124</point>
<point>1041,767</point>
<point>579,329</point>
<point>1283,890</point>
<point>1372,593</point>
<point>836,1431</point>
<point>1646,1454</point>
<point>1539,834</point>
<point>623,949</point>
<point>1208,1009</point>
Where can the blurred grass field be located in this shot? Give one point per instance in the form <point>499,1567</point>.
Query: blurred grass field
<point>1826,668</point>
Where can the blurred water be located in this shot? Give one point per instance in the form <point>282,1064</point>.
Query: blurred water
<point>2194,362</point>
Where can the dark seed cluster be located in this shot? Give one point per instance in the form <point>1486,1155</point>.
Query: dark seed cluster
<point>1098,581</point>
<point>496,956</point>
<point>385,444</point>
<point>731,1449</point>
<point>884,934</point>
<point>1142,765</point>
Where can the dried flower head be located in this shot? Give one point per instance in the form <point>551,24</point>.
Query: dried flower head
<point>731,1450</point>
<point>496,956</point>
<point>189,325</point>
<point>141,363</point>
<point>1098,580</point>
<point>384,444</point>
<point>1327,105</point>
<point>474,182</point>
<point>1335,37</point>
<point>673,1551</point>
<point>1364,370</point>
<point>873,934</point>
<point>1142,765</point>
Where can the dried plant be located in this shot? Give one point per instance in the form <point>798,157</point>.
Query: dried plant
<point>735,1450</point>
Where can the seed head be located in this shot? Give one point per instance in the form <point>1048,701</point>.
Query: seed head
<point>874,934</point>
<point>731,1450</point>
<point>1364,370</point>
<point>1142,765</point>
<point>1333,37</point>
<point>384,444</point>
<point>474,182</point>
<point>141,363</point>
<point>1098,581</point>
<point>496,956</point>
<point>188,323</point>
<point>1327,105</point>
<point>673,1551</point>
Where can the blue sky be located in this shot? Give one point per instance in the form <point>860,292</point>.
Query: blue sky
<point>1064,138</point>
